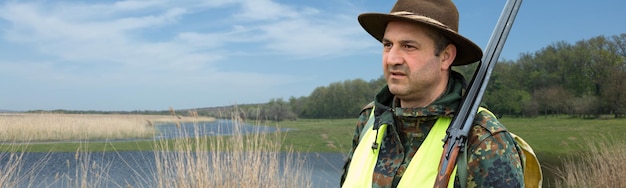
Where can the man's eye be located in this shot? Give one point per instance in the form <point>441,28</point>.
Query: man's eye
<point>387,45</point>
<point>409,46</point>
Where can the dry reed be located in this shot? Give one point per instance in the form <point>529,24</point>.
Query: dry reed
<point>63,127</point>
<point>601,164</point>
<point>252,160</point>
<point>10,169</point>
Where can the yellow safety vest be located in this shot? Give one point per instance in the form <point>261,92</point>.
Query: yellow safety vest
<point>422,170</point>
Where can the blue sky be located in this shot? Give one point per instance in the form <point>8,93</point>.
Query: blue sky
<point>153,54</point>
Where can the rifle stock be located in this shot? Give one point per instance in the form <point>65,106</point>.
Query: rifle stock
<point>443,179</point>
<point>458,132</point>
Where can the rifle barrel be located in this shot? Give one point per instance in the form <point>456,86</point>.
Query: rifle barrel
<point>458,131</point>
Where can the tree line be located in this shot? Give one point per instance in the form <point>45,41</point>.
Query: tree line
<point>583,79</point>
<point>337,100</point>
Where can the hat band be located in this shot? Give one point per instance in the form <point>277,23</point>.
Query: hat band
<point>418,17</point>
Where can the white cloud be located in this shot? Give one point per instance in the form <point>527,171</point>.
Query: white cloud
<point>137,4</point>
<point>145,44</point>
<point>301,31</point>
<point>290,30</point>
<point>237,35</point>
<point>265,10</point>
<point>314,37</point>
<point>31,25</point>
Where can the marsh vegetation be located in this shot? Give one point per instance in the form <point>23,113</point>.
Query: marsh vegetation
<point>35,127</point>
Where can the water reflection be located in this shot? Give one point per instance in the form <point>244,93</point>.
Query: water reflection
<point>214,128</point>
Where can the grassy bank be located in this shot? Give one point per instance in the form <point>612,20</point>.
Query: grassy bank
<point>558,139</point>
<point>319,135</point>
<point>561,135</point>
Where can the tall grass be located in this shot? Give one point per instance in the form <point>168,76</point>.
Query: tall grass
<point>63,127</point>
<point>55,127</point>
<point>240,160</point>
<point>10,169</point>
<point>600,164</point>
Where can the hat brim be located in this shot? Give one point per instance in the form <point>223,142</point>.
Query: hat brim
<point>467,52</point>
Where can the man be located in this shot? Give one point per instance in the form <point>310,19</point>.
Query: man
<point>398,138</point>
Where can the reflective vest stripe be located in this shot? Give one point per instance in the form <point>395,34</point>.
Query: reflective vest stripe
<point>422,170</point>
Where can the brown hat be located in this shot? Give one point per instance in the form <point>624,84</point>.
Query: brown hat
<point>441,15</point>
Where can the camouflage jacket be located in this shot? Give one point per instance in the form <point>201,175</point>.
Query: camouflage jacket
<point>493,158</point>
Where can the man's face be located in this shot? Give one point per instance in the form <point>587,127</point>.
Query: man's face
<point>413,72</point>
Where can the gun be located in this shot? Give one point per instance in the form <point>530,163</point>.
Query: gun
<point>458,132</point>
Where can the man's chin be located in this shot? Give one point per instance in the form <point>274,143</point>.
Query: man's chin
<point>395,88</point>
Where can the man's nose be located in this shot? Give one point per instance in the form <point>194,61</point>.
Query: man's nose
<point>393,56</point>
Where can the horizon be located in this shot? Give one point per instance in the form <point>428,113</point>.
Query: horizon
<point>152,55</point>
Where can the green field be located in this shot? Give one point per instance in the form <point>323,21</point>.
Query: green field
<point>561,135</point>
<point>551,135</point>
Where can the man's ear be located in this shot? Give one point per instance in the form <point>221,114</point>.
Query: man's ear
<point>447,56</point>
